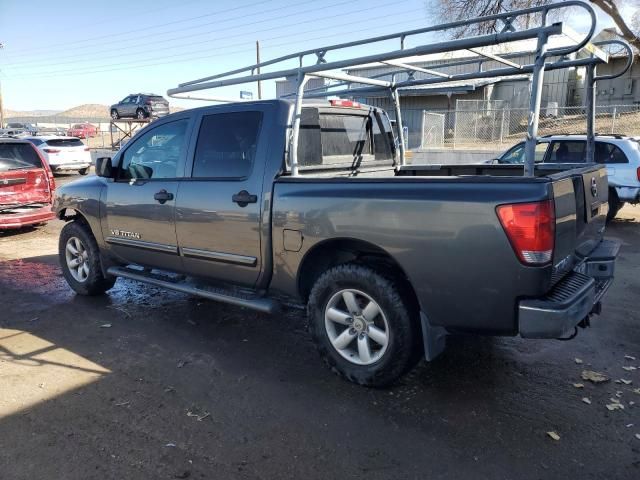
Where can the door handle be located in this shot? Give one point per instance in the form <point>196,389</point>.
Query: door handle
<point>162,196</point>
<point>244,198</point>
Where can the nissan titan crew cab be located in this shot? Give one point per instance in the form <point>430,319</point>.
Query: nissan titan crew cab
<point>387,259</point>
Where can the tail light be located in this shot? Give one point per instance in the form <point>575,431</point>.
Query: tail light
<point>344,103</point>
<point>530,228</point>
<point>51,150</point>
<point>638,173</point>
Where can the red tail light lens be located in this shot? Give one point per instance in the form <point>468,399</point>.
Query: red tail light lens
<point>344,103</point>
<point>638,173</point>
<point>51,150</point>
<point>530,228</point>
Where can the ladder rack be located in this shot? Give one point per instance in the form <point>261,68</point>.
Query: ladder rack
<point>333,70</point>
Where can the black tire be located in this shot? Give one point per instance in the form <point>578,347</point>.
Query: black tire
<point>403,348</point>
<point>83,171</point>
<point>141,114</point>
<point>614,205</point>
<point>114,114</point>
<point>96,283</point>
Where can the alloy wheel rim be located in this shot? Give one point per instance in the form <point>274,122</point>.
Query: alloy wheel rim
<point>356,326</point>
<point>77,257</point>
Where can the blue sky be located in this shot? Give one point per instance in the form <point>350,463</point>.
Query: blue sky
<point>57,57</point>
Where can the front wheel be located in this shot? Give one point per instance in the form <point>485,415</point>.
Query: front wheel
<point>362,325</point>
<point>83,171</point>
<point>140,115</point>
<point>80,260</point>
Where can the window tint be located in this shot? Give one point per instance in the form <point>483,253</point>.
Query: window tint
<point>65,142</point>
<point>227,145</point>
<point>345,135</point>
<point>567,152</point>
<point>35,141</point>
<point>156,153</point>
<point>609,153</point>
<point>383,144</point>
<point>18,156</point>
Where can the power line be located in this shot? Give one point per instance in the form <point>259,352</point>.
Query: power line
<point>206,41</point>
<point>202,57</point>
<point>167,40</point>
<point>111,35</point>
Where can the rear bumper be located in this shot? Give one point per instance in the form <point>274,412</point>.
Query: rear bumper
<point>22,218</point>
<point>572,299</point>
<point>61,167</point>
<point>628,194</point>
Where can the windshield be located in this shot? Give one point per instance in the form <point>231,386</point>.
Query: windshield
<point>18,156</point>
<point>14,125</point>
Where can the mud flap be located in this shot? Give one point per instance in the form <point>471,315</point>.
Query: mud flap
<point>433,337</point>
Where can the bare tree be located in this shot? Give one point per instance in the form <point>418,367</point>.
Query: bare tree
<point>453,10</point>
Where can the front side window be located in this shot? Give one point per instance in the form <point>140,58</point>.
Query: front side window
<point>227,145</point>
<point>609,153</point>
<point>568,152</point>
<point>156,153</point>
<point>516,154</point>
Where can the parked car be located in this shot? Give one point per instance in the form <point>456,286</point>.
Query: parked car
<point>26,185</point>
<point>58,131</point>
<point>19,127</point>
<point>140,106</point>
<point>83,130</point>
<point>63,154</point>
<point>620,153</point>
<point>386,259</point>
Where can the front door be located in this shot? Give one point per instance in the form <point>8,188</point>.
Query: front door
<point>218,213</point>
<point>140,204</point>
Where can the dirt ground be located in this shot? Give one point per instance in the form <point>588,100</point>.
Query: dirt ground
<point>145,384</point>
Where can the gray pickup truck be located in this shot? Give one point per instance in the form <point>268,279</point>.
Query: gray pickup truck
<point>388,260</point>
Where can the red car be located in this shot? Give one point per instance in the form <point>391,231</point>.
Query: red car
<point>26,185</point>
<point>82,130</point>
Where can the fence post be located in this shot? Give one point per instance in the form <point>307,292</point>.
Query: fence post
<point>613,120</point>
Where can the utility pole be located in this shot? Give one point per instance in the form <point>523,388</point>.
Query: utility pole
<point>258,62</point>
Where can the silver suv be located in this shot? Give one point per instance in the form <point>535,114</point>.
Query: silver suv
<point>620,153</point>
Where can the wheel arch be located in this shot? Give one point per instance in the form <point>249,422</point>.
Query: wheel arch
<point>337,251</point>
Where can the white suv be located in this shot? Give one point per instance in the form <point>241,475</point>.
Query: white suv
<point>621,155</point>
<point>63,153</point>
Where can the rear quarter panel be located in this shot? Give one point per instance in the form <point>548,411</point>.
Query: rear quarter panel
<point>443,232</point>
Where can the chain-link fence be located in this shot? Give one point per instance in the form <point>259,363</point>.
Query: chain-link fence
<point>494,126</point>
<point>432,130</point>
<point>58,125</point>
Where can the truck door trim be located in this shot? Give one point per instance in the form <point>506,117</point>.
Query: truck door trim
<point>128,242</point>
<point>219,256</point>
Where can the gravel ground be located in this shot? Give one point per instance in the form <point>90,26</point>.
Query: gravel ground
<point>145,384</point>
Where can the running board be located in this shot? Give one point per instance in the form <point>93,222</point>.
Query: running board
<point>260,304</point>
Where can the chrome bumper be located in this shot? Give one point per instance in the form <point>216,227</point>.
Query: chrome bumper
<point>572,299</point>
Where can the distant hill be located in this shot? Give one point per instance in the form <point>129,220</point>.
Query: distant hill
<point>89,111</point>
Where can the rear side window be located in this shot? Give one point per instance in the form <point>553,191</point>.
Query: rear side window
<point>567,152</point>
<point>227,144</point>
<point>609,153</point>
<point>18,156</point>
<point>65,142</point>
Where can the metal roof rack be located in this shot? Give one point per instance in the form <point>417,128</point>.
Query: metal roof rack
<point>332,69</point>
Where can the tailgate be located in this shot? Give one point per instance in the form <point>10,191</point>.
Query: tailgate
<point>24,186</point>
<point>580,197</point>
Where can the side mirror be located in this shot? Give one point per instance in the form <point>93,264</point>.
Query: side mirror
<point>104,168</point>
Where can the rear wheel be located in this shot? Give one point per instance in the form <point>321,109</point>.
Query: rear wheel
<point>80,260</point>
<point>83,171</point>
<point>114,114</point>
<point>363,327</point>
<point>140,114</point>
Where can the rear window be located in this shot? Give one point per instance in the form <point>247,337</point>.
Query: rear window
<point>337,139</point>
<point>78,126</point>
<point>18,156</point>
<point>157,99</point>
<point>65,142</point>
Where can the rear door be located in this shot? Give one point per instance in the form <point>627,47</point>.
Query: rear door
<point>139,224</point>
<point>218,215</point>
